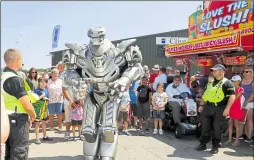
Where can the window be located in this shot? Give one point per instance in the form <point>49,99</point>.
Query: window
<point>160,51</point>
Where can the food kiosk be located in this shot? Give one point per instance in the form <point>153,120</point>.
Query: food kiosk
<point>220,33</point>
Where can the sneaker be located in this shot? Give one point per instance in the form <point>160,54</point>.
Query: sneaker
<point>82,138</point>
<point>37,141</point>
<point>160,132</point>
<point>126,133</point>
<point>142,132</point>
<point>201,147</point>
<point>214,150</point>
<point>147,130</point>
<point>241,137</point>
<point>52,129</point>
<point>252,144</point>
<point>67,135</point>
<point>248,140</point>
<point>155,131</point>
<point>47,139</point>
<point>60,129</point>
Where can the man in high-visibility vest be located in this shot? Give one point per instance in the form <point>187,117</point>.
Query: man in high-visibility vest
<point>17,100</point>
<point>216,103</point>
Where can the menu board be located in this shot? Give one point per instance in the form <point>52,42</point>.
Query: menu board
<point>236,60</point>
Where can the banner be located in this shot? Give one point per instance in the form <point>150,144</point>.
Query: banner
<point>236,60</point>
<point>221,41</point>
<point>221,16</point>
<point>179,62</point>
<point>55,36</point>
<point>204,62</point>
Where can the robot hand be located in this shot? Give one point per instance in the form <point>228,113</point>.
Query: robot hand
<point>120,84</point>
<point>79,87</point>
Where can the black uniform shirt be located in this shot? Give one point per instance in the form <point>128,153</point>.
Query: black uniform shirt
<point>15,85</point>
<point>228,89</point>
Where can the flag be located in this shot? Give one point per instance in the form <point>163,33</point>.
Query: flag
<point>55,36</point>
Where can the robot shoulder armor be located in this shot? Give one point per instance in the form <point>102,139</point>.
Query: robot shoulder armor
<point>125,44</point>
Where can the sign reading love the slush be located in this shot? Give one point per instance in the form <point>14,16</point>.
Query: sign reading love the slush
<point>221,16</point>
<point>220,41</point>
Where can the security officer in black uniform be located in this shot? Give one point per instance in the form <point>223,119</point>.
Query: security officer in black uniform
<point>216,103</point>
<point>18,106</point>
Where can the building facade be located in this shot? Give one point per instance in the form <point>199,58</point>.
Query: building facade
<point>153,53</point>
<point>152,50</point>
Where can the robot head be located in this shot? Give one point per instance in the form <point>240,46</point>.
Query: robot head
<point>97,35</point>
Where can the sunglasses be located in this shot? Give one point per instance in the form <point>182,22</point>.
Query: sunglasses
<point>34,72</point>
<point>246,71</point>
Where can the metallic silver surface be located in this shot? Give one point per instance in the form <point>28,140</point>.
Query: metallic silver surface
<point>109,70</point>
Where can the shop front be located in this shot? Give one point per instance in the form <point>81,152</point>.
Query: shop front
<point>221,33</point>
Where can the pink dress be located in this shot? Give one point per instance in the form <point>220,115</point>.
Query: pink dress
<point>236,111</point>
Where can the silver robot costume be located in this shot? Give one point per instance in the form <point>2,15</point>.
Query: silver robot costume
<point>109,70</point>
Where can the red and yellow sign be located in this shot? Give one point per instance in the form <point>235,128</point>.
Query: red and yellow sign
<point>220,41</point>
<point>236,60</point>
<point>221,16</point>
<point>204,62</point>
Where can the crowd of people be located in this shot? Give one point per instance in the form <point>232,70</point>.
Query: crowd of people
<point>143,100</point>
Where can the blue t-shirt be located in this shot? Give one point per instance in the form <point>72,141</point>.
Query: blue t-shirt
<point>125,100</point>
<point>132,94</point>
<point>40,91</point>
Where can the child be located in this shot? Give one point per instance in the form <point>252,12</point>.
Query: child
<point>235,112</point>
<point>41,110</point>
<point>123,114</point>
<point>144,95</point>
<point>159,100</point>
<point>77,117</point>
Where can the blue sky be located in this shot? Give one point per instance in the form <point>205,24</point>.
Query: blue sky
<point>36,21</point>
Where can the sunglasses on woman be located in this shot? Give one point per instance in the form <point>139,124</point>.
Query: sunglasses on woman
<point>246,71</point>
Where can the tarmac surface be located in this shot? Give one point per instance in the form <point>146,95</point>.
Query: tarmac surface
<point>136,147</point>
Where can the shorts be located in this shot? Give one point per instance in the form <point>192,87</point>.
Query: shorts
<point>76,122</point>
<point>143,110</point>
<point>250,105</point>
<point>55,108</point>
<point>159,114</point>
<point>39,120</point>
<point>67,112</point>
<point>134,109</point>
<point>122,116</point>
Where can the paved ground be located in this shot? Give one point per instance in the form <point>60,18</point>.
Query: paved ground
<point>137,147</point>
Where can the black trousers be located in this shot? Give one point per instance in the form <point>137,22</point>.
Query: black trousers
<point>212,121</point>
<point>17,144</point>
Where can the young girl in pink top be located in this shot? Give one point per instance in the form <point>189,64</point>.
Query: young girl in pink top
<point>77,117</point>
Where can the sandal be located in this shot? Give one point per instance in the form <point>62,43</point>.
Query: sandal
<point>228,143</point>
<point>236,144</point>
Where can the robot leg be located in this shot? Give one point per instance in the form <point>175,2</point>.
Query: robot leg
<point>90,129</point>
<point>108,142</point>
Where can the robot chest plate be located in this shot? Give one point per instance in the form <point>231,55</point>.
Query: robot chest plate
<point>106,68</point>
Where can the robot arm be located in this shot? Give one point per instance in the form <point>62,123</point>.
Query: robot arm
<point>135,70</point>
<point>134,59</point>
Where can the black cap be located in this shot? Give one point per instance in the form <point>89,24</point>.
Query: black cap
<point>219,67</point>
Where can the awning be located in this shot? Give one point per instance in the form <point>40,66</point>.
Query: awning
<point>229,41</point>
